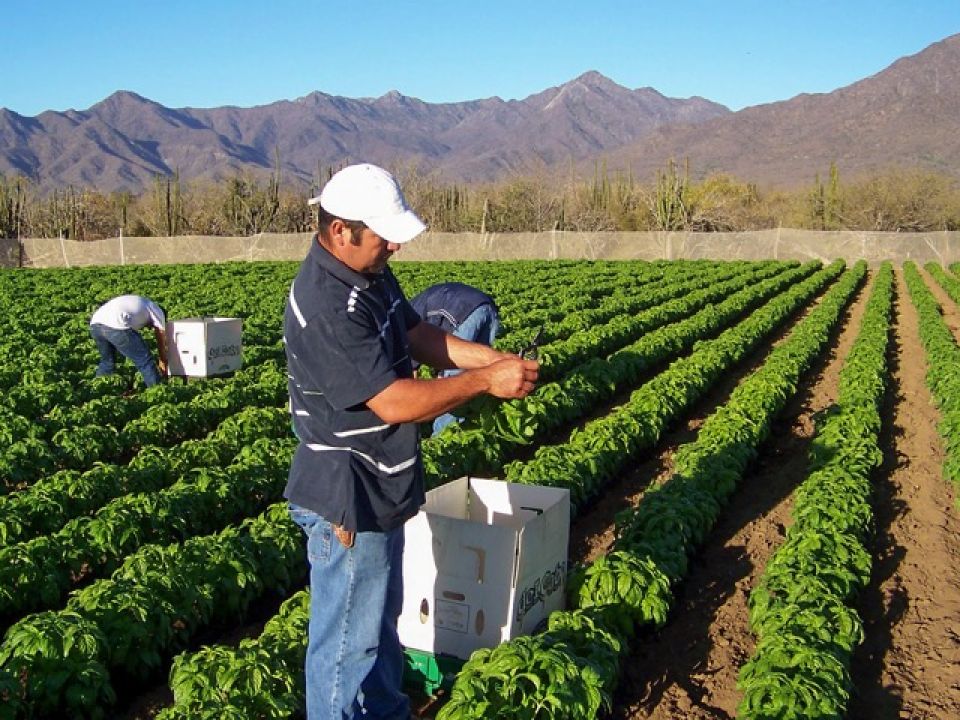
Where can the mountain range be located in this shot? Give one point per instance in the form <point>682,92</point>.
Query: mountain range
<point>906,115</point>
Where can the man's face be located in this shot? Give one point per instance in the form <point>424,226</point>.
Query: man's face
<point>367,252</point>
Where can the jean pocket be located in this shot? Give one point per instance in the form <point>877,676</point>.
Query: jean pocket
<point>317,530</point>
<point>318,545</point>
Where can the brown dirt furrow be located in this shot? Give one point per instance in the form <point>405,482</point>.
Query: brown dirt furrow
<point>592,533</point>
<point>909,663</point>
<point>689,668</point>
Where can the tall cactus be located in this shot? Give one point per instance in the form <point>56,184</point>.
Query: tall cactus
<point>670,206</point>
<point>168,216</point>
<point>825,202</point>
<point>13,201</point>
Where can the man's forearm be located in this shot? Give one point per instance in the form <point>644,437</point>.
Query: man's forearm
<point>432,346</point>
<point>161,345</point>
<point>471,355</point>
<point>414,400</point>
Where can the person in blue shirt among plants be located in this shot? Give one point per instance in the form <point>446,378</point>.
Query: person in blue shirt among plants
<point>463,311</point>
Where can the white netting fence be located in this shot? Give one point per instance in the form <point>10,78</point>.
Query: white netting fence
<point>778,244</point>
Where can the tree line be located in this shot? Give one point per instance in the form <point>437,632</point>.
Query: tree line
<point>900,200</point>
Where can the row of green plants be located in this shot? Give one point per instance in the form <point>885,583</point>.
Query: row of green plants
<point>945,280</point>
<point>265,675</point>
<point>37,573</point>
<point>49,503</point>
<point>943,368</point>
<point>115,633</point>
<point>262,677</point>
<point>803,610</point>
<point>572,674</point>
<point>144,421</point>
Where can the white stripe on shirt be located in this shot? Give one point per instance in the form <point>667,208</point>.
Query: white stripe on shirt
<point>361,431</point>
<point>380,466</point>
<point>296,308</point>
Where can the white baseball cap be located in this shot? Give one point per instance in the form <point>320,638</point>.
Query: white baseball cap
<point>370,194</point>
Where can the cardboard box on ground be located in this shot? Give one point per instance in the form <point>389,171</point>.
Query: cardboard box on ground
<point>204,346</point>
<point>485,561</point>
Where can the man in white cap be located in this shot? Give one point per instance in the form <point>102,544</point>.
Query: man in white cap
<point>356,477</point>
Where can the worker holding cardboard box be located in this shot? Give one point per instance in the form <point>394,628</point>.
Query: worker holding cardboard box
<point>351,338</point>
<point>115,328</point>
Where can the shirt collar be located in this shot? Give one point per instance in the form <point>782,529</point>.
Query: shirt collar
<point>325,259</point>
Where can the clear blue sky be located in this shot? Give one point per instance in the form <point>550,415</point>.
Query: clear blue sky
<point>59,54</point>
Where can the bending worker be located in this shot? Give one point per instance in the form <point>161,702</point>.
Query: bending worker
<point>357,476</point>
<point>465,311</point>
<point>115,328</point>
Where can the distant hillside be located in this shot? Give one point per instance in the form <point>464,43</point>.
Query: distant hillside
<point>125,140</point>
<point>906,115</point>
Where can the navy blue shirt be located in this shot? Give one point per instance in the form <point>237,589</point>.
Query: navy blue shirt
<point>346,340</point>
<point>448,304</point>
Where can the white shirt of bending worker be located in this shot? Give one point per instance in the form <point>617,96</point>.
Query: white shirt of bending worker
<point>134,312</point>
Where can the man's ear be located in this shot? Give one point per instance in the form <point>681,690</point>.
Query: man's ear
<point>338,230</point>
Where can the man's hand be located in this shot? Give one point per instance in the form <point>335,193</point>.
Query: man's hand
<point>412,400</point>
<point>162,366</point>
<point>512,377</point>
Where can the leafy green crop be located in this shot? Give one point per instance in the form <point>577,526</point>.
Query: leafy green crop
<point>801,610</point>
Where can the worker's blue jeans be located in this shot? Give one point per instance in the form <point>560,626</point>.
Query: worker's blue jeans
<point>128,343</point>
<point>354,660</point>
<point>482,326</point>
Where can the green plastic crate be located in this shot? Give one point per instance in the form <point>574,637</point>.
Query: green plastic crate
<point>430,672</point>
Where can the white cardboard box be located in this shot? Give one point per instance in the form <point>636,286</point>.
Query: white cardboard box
<point>484,561</point>
<point>201,347</point>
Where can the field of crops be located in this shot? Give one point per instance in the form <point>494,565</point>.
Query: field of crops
<point>759,457</point>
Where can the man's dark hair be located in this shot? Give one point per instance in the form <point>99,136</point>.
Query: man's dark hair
<point>324,219</point>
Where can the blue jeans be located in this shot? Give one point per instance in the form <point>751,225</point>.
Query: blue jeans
<point>128,343</point>
<point>354,658</point>
<point>482,326</point>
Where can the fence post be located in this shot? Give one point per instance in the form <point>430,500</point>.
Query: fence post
<point>63,250</point>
